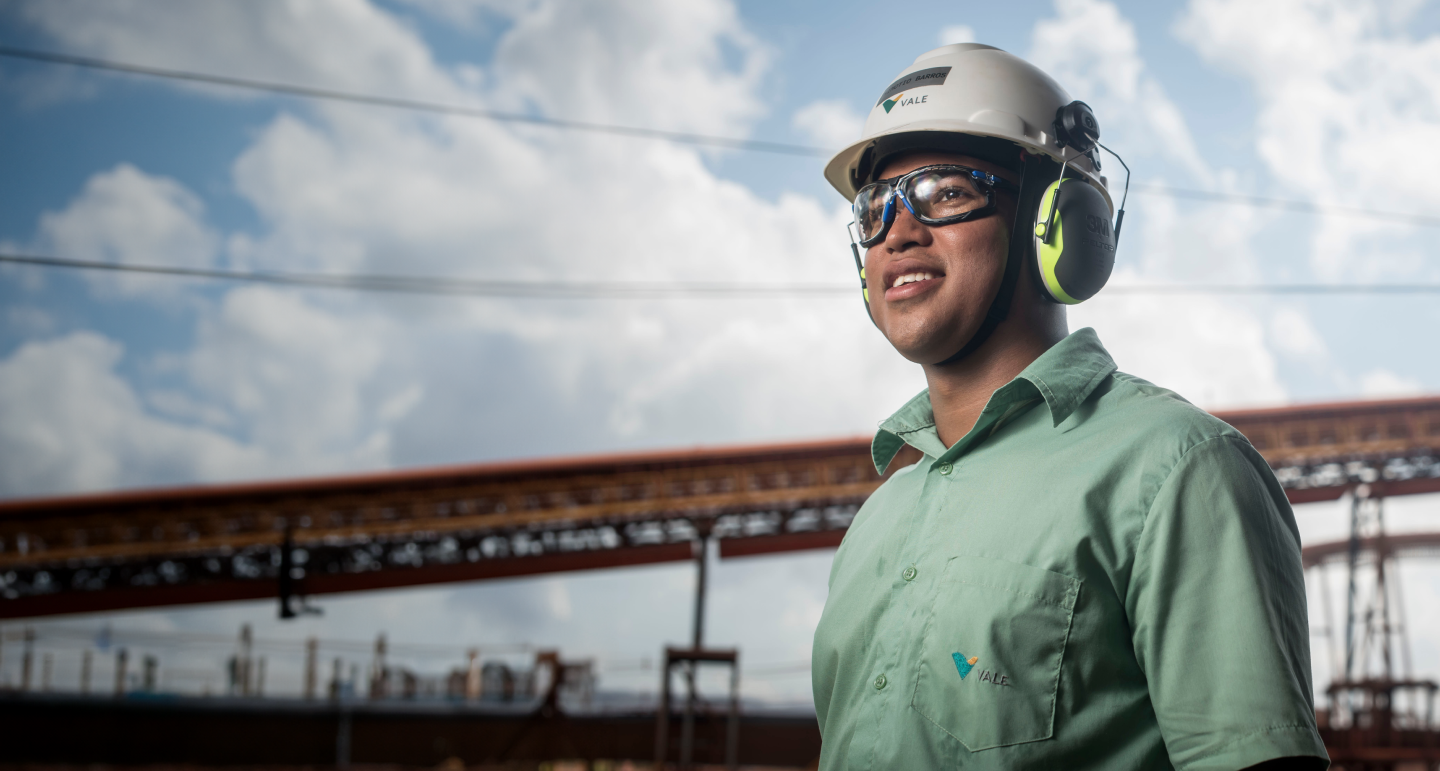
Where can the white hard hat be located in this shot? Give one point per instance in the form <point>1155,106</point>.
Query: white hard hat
<point>973,90</point>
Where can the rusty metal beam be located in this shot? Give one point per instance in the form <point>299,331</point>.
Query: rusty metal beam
<point>211,543</point>
<point>1388,545</point>
<point>1340,431</point>
<point>397,529</point>
<point>130,597</point>
<point>785,542</point>
<point>497,497</point>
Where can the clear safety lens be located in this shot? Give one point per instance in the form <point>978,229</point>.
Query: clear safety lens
<point>870,209</point>
<point>944,193</point>
<point>935,195</point>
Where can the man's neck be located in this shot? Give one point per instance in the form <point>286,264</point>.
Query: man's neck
<point>959,392</point>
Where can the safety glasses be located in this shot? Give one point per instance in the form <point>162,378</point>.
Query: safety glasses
<point>934,195</point>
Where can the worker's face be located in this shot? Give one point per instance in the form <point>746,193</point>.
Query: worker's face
<point>961,266</point>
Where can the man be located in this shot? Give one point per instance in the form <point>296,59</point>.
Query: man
<point>1083,571</point>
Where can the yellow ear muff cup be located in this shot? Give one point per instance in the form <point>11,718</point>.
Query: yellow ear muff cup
<point>1076,252</point>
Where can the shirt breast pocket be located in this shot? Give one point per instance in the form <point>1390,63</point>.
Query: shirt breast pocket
<point>992,651</point>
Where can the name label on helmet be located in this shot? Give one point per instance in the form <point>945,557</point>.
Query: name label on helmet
<point>935,76</point>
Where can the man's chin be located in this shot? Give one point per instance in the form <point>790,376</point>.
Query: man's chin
<point>928,354</point>
<point>927,348</point>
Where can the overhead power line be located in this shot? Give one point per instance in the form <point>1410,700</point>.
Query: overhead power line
<point>753,145</point>
<point>428,285</point>
<point>598,290</point>
<point>1303,207</point>
<point>731,143</point>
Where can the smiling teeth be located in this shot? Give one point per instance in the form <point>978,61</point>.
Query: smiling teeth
<point>910,278</point>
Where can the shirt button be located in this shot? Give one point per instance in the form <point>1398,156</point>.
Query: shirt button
<point>908,574</point>
<point>945,468</point>
<point>880,682</point>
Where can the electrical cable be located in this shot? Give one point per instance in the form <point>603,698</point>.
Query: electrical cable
<point>732,143</point>
<point>1302,207</point>
<point>753,145</point>
<point>427,285</point>
<point>595,290</point>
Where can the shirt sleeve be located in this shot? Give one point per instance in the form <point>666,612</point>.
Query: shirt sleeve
<point>1217,607</point>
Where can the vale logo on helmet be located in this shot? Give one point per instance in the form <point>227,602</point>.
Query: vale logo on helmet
<point>899,100</point>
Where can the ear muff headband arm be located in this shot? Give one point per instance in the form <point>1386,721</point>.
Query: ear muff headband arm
<point>860,268</point>
<point>1120,217</point>
<point>1021,242</point>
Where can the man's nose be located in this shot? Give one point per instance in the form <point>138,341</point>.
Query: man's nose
<point>906,229</point>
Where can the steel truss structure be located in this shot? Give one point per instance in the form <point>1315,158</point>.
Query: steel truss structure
<point>307,537</point>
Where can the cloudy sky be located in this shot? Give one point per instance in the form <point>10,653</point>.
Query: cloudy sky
<point>113,381</point>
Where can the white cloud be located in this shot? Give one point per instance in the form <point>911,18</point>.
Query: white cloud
<point>303,382</point>
<point>1200,347</point>
<point>1344,92</point>
<point>319,379</point>
<point>346,44</point>
<point>272,387</point>
<point>69,422</point>
<point>1295,337</point>
<point>1093,51</point>
<point>127,216</point>
<point>689,66</point>
<point>1385,383</point>
<point>829,123</point>
<point>294,377</point>
<point>956,33</point>
<point>1212,351</point>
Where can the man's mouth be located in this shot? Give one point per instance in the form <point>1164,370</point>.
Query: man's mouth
<point>912,284</point>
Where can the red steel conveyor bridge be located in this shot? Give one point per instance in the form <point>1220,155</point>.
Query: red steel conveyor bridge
<point>305,537</point>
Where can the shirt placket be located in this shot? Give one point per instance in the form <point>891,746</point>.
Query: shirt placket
<point>880,719</point>
<point>895,646</point>
<point>934,505</point>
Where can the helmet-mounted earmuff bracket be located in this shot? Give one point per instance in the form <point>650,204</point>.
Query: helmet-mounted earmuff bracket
<point>1075,126</point>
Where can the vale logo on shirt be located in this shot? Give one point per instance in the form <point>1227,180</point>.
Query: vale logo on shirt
<point>964,665</point>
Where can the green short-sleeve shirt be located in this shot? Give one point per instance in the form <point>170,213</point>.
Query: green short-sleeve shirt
<point>1099,575</point>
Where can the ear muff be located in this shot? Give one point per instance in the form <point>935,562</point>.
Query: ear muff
<point>1074,248</point>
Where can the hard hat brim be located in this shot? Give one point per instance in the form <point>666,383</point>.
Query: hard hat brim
<point>839,171</point>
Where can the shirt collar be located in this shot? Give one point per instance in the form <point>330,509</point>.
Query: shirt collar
<point>1064,376</point>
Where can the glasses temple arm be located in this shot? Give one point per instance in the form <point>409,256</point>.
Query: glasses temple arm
<point>855,250</point>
